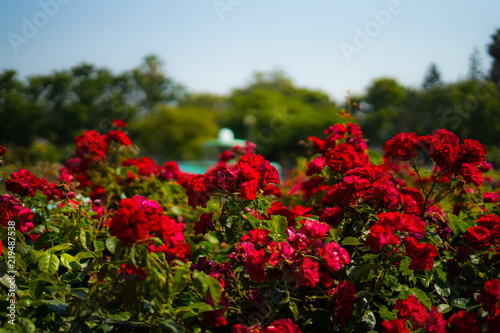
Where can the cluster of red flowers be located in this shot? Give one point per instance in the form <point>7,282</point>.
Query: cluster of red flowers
<point>418,316</point>
<point>486,233</point>
<point>342,150</point>
<point>25,183</point>
<point>304,259</point>
<point>12,210</point>
<point>277,326</point>
<point>146,167</point>
<point>247,177</point>
<point>293,256</point>
<point>91,149</point>
<point>443,147</point>
<point>138,219</point>
<point>358,179</point>
<point>389,230</point>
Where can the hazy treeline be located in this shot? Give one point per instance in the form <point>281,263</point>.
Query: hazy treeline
<point>40,115</point>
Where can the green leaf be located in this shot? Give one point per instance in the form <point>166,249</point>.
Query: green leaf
<point>335,233</point>
<point>60,247</point>
<point>20,263</point>
<point>58,307</point>
<point>200,282</point>
<point>255,222</point>
<point>294,309</point>
<point>215,289</point>
<point>181,279</point>
<point>84,255</point>
<point>461,303</point>
<point>98,245</point>
<point>169,326</point>
<point>66,259</point>
<point>200,306</point>
<point>442,289</point>
<point>122,316</point>
<point>111,245</point>
<point>36,288</point>
<point>422,297</point>
<point>385,314</point>
<point>278,225</point>
<point>370,320</point>
<point>83,239</point>
<point>48,263</point>
<point>351,241</point>
<point>369,256</point>
<point>390,281</point>
<point>26,325</point>
<point>443,308</point>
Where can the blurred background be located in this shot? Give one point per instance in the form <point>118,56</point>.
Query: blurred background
<point>274,72</point>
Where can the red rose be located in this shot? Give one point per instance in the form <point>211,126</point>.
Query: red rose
<point>491,197</point>
<point>277,208</point>
<point>464,322</point>
<point>344,295</point>
<point>314,229</point>
<point>255,264</point>
<point>249,190</point>
<point>257,236</point>
<point>479,236</point>
<point>331,215</point>
<point>24,183</point>
<point>135,219</point>
<point>403,147</point>
<point>118,136</point>
<point>471,174</point>
<point>315,166</point>
<point>90,145</point>
<point>422,254</point>
<point>282,326</point>
<point>336,256</point>
<point>490,296</point>
<point>309,272</point>
<point>412,310</point>
<point>395,326</point>
<point>444,148</point>
<point>435,322</point>
<point>195,190</point>
<point>204,224</point>
<point>119,123</point>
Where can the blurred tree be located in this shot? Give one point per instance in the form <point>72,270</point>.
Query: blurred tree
<point>152,86</point>
<point>19,115</point>
<point>275,114</point>
<point>494,51</point>
<point>60,105</point>
<point>387,97</point>
<point>176,133</point>
<point>475,67</point>
<point>432,78</point>
<point>82,98</point>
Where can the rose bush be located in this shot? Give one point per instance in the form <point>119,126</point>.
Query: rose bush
<point>350,242</point>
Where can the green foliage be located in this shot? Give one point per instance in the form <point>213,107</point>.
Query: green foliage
<point>176,133</point>
<point>274,114</point>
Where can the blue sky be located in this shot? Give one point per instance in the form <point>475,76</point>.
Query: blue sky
<point>215,45</point>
